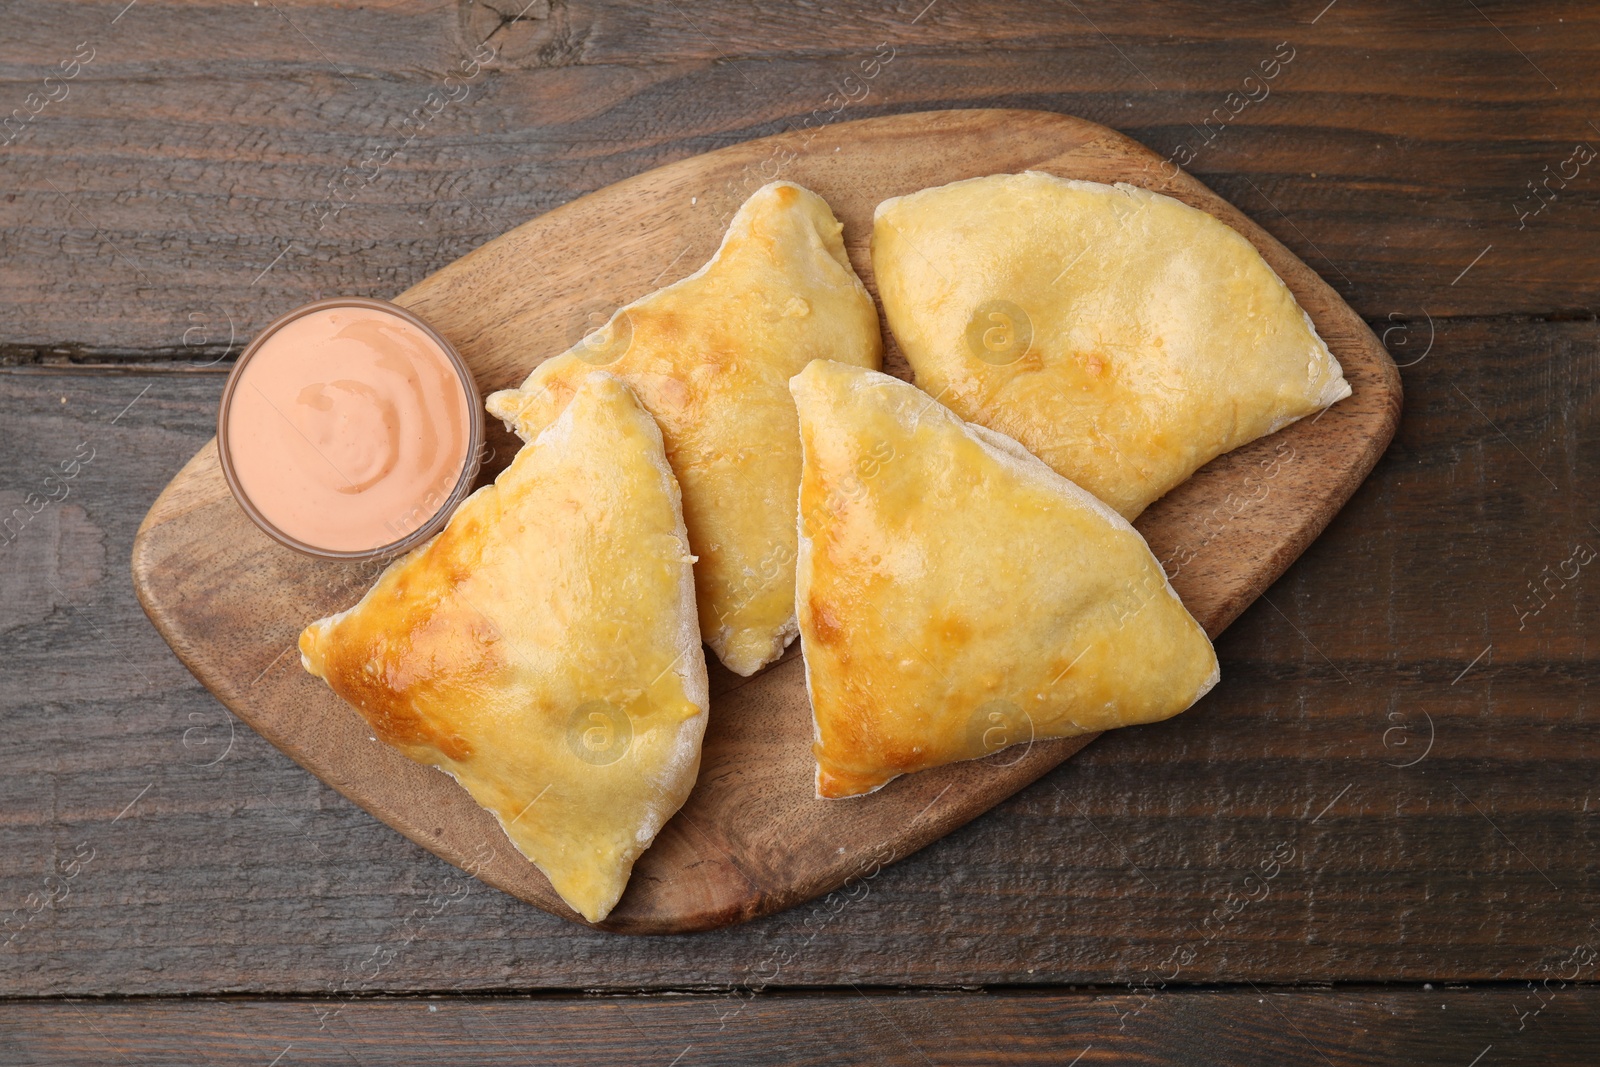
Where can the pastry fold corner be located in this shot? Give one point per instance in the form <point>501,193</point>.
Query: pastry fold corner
<point>543,649</point>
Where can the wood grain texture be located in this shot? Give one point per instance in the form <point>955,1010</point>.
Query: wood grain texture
<point>1270,1028</point>
<point>239,871</point>
<point>752,839</point>
<point>138,216</point>
<point>202,144</point>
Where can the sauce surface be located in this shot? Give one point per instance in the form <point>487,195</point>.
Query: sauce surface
<point>348,428</point>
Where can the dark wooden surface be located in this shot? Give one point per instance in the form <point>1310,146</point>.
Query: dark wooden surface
<point>752,839</point>
<point>1238,1028</point>
<point>169,851</point>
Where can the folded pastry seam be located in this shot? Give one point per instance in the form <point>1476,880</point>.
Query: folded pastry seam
<point>544,650</point>
<point>957,596</point>
<point>1121,335</point>
<point>709,356</point>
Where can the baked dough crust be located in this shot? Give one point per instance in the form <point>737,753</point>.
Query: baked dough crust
<point>957,596</point>
<point>709,357</point>
<point>1122,336</point>
<point>543,649</point>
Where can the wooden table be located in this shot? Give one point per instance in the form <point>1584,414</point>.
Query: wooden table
<point>1403,722</point>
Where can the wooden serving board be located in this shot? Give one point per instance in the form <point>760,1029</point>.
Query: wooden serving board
<point>751,839</point>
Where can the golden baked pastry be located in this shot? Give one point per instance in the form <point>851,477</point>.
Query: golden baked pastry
<point>957,595</point>
<point>710,357</point>
<point>543,649</point>
<point>1123,337</point>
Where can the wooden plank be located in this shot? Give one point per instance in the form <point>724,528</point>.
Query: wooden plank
<point>752,838</point>
<point>188,176</point>
<point>1524,1024</point>
<point>247,874</point>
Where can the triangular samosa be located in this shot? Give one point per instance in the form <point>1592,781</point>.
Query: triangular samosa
<point>543,649</point>
<point>957,595</point>
<point>710,357</point>
<point>1123,337</point>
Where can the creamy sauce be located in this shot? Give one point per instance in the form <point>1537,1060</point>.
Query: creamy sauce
<point>348,428</point>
